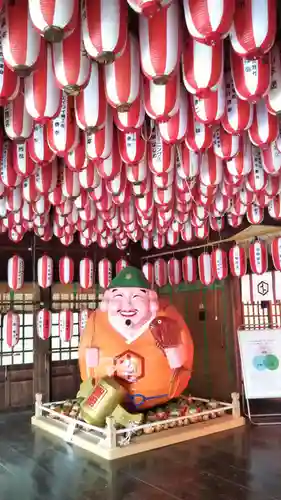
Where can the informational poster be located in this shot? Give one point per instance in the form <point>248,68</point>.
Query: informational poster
<point>260,352</point>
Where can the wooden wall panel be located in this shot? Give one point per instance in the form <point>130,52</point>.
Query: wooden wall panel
<point>214,361</point>
<point>65,380</point>
<point>20,386</point>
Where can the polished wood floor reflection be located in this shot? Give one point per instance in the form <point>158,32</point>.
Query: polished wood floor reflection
<point>243,464</point>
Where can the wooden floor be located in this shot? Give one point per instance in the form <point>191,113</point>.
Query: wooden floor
<point>243,464</point>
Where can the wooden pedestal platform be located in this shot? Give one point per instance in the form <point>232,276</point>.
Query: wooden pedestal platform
<point>139,444</point>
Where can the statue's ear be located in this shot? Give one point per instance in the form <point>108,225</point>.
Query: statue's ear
<point>153,302</point>
<point>104,302</point>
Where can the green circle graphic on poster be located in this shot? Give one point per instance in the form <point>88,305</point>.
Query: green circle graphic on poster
<point>271,362</point>
<point>259,362</point>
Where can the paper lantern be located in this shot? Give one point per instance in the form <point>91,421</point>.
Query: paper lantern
<point>148,271</point>
<point>15,272</point>
<point>189,269</point>
<point>44,324</point>
<point>104,273</point>
<point>104,27</point>
<point>45,271</point>
<point>197,55</point>
<point>173,131</point>
<point>62,131</point>
<point>133,118</point>
<point>237,261</point>
<point>65,325</point>
<point>84,315</point>
<point>148,7</point>
<point>42,96</point>
<point>258,257</point>
<point>159,58</point>
<point>161,102</point>
<point>253,30</point>
<point>11,328</point>
<point>205,269</point>
<point>219,264</point>
<point>238,115</point>
<point>70,62</point>
<point>160,272</point>
<point>90,104</point>
<point>208,22</point>
<point>122,77</point>
<point>38,147</point>
<point>54,19</point>
<point>276,253</point>
<point>18,123</point>
<point>251,77</point>
<point>66,270</point>
<point>86,273</point>
<point>21,43</point>
<point>120,264</point>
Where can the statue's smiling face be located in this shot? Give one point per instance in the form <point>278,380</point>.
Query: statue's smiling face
<point>129,309</point>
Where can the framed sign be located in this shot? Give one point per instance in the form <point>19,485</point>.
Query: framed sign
<point>260,353</point>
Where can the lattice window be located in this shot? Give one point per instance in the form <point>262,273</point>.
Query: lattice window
<point>75,302</point>
<point>22,353</point>
<point>256,315</point>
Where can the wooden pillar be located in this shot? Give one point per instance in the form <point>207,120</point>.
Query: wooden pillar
<point>237,322</point>
<point>42,354</point>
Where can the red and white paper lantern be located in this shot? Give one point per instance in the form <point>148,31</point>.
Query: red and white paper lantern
<point>84,315</point>
<point>15,272</point>
<point>104,28</point>
<point>54,19</point>
<point>219,264</point>
<point>258,257</point>
<point>21,43</point>
<point>208,22</point>
<point>65,325</point>
<point>253,29</point>
<point>104,273</point>
<point>45,269</point>
<point>44,324</point>
<point>189,269</point>
<point>148,271</point>
<point>160,272</point>
<point>11,328</point>
<point>122,77</point>
<point>205,269</point>
<point>120,265</point>
<point>66,270</point>
<point>237,261</point>
<point>86,273</point>
<point>160,43</point>
<point>174,272</point>
<point>276,253</point>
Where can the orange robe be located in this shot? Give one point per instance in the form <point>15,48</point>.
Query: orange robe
<point>153,381</point>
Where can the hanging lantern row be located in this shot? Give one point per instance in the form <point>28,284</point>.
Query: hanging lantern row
<point>213,266</point>
<point>121,137</point>
<point>45,272</point>
<point>11,325</point>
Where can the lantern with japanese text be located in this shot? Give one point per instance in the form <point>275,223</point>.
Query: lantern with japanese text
<point>15,272</point>
<point>44,324</point>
